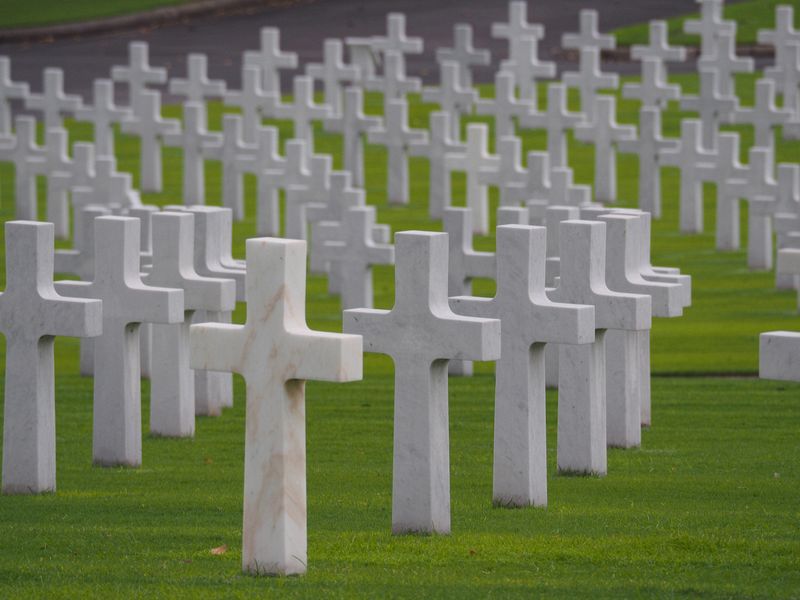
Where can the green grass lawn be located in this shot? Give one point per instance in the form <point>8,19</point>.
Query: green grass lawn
<point>15,14</point>
<point>750,15</point>
<point>707,506</point>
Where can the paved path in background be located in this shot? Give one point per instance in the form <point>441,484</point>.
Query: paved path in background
<point>305,26</point>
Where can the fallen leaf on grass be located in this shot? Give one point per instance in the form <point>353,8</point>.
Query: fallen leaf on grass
<point>219,550</point>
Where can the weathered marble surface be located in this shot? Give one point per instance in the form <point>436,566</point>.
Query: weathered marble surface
<point>275,352</point>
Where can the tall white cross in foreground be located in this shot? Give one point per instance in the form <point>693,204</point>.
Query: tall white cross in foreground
<point>31,315</point>
<point>275,352</point>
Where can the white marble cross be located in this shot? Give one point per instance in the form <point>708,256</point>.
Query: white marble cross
<point>138,74</point>
<point>725,63</point>
<point>353,125</point>
<point>172,400</point>
<point>79,260</point>
<point>422,334</point>
<point>396,39</point>
<point>102,114</point>
<point>212,258</point>
<point>22,150</point>
<point>108,187</point>
<point>589,35</point>
<point>551,219</point>
<point>581,372</point>
<point>588,79</point>
<point>56,161</point>
<point>396,136</point>
<point>326,232</point>
<point>302,111</point>
<point>765,115</point>
<point>553,216</point>
<point>739,181</point>
<point>604,132</point>
<point>233,152</point>
<point>264,164</point>
<point>648,147</point>
<point>9,90</point>
<point>712,106</point>
<point>709,25</point>
<point>275,352</point>
<point>787,77</point>
<point>695,164</point>
<point>300,195</point>
<point>508,173</point>
<point>536,186</point>
<point>529,320</point>
<point>440,143</point>
<point>196,86</point>
<point>464,53</point>
<point>786,70</point>
<point>556,120</point>
<point>780,199</point>
<point>363,56</point>
<point>292,171</point>
<point>61,185</point>
<point>353,251</point>
<point>341,196</point>
<point>528,70</point>
<point>564,191</point>
<point>393,83</point>
<point>624,366</point>
<point>653,91</point>
<point>655,275</point>
<point>253,100</point>
<point>475,160</point>
<point>148,124</point>
<point>127,302</point>
<point>32,314</point>
<point>505,106</point>
<point>658,46</point>
<point>783,35</point>
<point>545,186</point>
<point>727,167</point>
<point>192,139</point>
<point>270,60</point>
<point>451,97</point>
<point>465,263</point>
<point>517,28</point>
<point>333,72</point>
<point>52,103</point>
<point>759,181</point>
